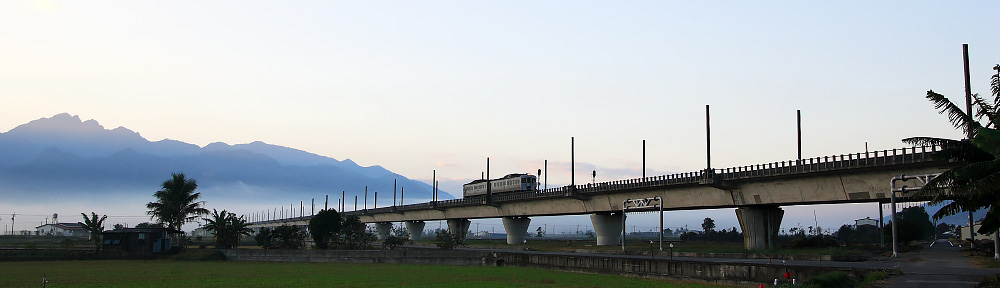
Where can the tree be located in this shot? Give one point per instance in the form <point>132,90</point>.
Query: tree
<point>708,224</point>
<point>914,224</point>
<point>975,183</point>
<point>324,227</point>
<point>354,234</point>
<point>95,226</point>
<point>149,225</point>
<point>227,228</point>
<point>217,224</point>
<point>176,203</point>
<point>264,238</point>
<point>397,237</point>
<point>845,233</point>
<point>283,237</point>
<point>941,228</point>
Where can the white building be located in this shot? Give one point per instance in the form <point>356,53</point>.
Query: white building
<point>63,229</point>
<point>866,221</point>
<point>965,233</point>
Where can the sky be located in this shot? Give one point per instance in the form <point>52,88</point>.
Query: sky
<point>419,86</point>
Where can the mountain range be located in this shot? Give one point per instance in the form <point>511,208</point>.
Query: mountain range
<point>64,156</point>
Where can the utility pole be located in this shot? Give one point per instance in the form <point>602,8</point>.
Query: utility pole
<point>968,134</point>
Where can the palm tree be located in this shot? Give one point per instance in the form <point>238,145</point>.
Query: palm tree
<point>238,228</point>
<point>975,183</point>
<point>217,223</point>
<point>227,228</point>
<point>95,226</point>
<point>176,203</point>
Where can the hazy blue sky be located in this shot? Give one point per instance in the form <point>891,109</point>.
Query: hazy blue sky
<point>421,85</point>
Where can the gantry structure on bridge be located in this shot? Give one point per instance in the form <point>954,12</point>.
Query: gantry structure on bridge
<point>756,191</point>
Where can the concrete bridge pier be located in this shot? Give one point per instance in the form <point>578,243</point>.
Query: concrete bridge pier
<point>760,225</point>
<point>459,226</point>
<point>516,228</point>
<point>416,229</point>
<point>383,229</point>
<point>608,227</point>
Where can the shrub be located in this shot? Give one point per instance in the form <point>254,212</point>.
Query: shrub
<point>444,239</point>
<point>837,279</point>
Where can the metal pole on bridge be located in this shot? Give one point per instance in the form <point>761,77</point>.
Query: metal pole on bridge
<point>546,174</point>
<point>644,165</point>
<point>326,204</point>
<point>708,141</point>
<point>366,197</point>
<point>798,121</point>
<point>393,192</point>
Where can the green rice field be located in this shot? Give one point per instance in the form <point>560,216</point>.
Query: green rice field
<point>170,273</point>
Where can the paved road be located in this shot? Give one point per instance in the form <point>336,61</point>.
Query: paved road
<point>940,265</point>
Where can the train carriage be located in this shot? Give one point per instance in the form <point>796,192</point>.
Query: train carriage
<point>509,183</point>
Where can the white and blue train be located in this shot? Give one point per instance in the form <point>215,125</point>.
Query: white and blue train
<point>509,183</point>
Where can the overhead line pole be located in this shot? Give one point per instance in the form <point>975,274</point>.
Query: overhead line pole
<point>969,132</point>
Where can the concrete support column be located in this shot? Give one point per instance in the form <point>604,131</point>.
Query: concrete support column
<point>516,228</point>
<point>760,225</point>
<point>608,228</point>
<point>459,226</point>
<point>383,229</point>
<point>416,229</point>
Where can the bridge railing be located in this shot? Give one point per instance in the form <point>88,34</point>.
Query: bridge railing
<point>905,155</point>
<point>826,163</point>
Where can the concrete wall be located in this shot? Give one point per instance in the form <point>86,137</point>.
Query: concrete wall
<point>742,274</point>
<point>701,271</point>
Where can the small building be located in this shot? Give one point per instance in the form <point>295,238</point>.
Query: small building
<point>866,221</point>
<point>138,240</point>
<point>965,233</point>
<point>202,232</point>
<point>63,229</point>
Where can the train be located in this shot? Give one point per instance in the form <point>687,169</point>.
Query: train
<point>509,183</point>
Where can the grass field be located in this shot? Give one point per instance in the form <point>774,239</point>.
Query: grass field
<point>168,273</point>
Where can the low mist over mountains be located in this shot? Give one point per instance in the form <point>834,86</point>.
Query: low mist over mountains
<point>64,157</point>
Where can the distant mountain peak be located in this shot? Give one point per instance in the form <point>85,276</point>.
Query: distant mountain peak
<point>59,123</point>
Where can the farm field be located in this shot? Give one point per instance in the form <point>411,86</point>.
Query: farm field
<point>170,273</point>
